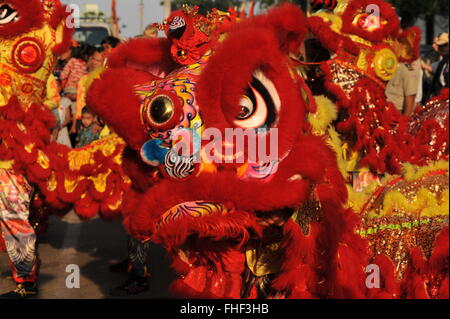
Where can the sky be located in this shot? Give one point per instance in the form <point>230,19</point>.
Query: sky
<point>128,12</point>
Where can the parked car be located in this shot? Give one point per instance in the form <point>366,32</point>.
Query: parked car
<point>92,31</point>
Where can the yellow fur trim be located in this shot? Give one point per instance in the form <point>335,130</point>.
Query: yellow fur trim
<point>356,200</point>
<point>412,172</point>
<point>426,204</point>
<point>94,75</point>
<point>6,164</point>
<point>321,124</point>
<point>345,164</point>
<point>326,113</point>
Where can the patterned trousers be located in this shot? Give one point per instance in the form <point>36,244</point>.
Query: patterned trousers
<point>137,255</point>
<point>18,234</point>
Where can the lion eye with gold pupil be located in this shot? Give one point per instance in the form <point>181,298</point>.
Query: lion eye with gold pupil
<point>161,110</point>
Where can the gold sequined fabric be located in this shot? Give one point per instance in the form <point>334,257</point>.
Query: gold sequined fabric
<point>344,76</point>
<point>393,229</point>
<point>262,286</point>
<point>310,211</point>
<point>434,109</point>
<point>264,259</point>
<point>437,110</point>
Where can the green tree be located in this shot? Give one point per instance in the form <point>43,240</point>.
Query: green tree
<point>411,10</point>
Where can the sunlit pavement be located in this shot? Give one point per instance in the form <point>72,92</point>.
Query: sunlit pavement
<point>92,245</point>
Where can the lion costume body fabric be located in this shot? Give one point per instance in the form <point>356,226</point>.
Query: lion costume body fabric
<point>32,35</point>
<point>91,178</point>
<point>405,210</point>
<point>277,228</point>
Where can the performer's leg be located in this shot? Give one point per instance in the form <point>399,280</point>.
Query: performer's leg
<point>138,253</point>
<point>136,260</point>
<point>137,281</point>
<point>18,234</point>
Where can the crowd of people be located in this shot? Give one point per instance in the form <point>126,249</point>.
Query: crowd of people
<point>413,84</point>
<point>77,125</point>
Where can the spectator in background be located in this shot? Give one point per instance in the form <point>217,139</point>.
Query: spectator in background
<point>95,61</point>
<point>75,68</point>
<point>110,43</point>
<point>403,87</point>
<point>440,77</point>
<point>151,32</point>
<point>52,101</point>
<point>430,63</point>
<point>65,117</point>
<point>90,129</point>
<point>420,91</point>
<point>61,63</point>
<point>437,56</point>
<point>427,78</point>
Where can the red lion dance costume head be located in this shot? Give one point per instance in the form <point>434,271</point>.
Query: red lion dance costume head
<point>213,217</point>
<point>32,34</point>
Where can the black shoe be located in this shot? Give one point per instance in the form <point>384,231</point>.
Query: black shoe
<point>22,291</point>
<point>133,286</point>
<point>122,266</point>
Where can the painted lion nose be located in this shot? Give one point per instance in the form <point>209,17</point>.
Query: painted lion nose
<point>177,28</point>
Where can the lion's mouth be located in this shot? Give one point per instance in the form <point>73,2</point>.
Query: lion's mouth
<point>7,14</point>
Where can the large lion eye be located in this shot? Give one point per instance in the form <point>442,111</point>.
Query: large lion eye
<point>247,108</point>
<point>161,110</point>
<point>259,104</point>
<point>7,14</point>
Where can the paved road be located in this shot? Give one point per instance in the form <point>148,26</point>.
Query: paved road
<point>92,245</point>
